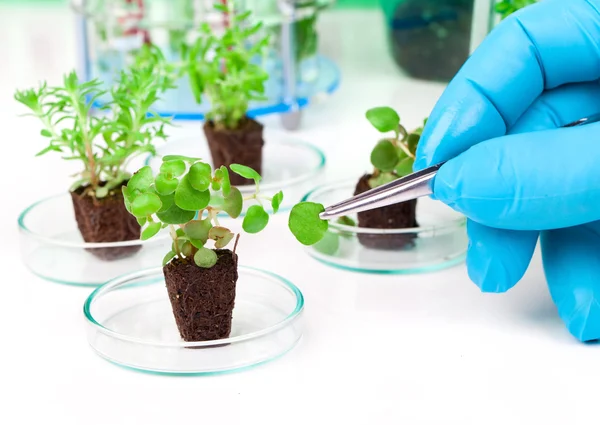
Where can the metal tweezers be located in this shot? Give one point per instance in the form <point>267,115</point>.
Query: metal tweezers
<point>406,188</point>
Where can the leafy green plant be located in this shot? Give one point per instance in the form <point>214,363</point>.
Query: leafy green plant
<point>392,157</point>
<point>106,144</point>
<point>507,7</point>
<point>187,196</point>
<point>221,68</point>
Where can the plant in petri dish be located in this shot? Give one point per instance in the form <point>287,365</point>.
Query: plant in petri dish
<point>186,196</point>
<point>392,158</point>
<point>222,70</point>
<point>103,145</point>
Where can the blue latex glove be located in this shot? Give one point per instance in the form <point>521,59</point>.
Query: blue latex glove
<point>511,171</point>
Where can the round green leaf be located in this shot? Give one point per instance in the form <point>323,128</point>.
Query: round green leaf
<point>170,255</point>
<point>198,229</point>
<point>306,224</point>
<point>276,201</point>
<point>404,167</point>
<point>384,156</point>
<point>225,183</point>
<point>412,141</point>
<point>141,220</point>
<point>221,235</point>
<point>145,204</point>
<point>383,118</point>
<point>256,219</point>
<point>151,230</point>
<point>199,176</point>
<point>168,158</point>
<point>141,180</point>
<point>186,249</point>
<point>174,167</point>
<point>234,203</point>
<point>205,258</point>
<point>175,215</point>
<point>167,201</point>
<point>165,185</point>
<point>245,172</point>
<point>381,179</point>
<point>190,199</point>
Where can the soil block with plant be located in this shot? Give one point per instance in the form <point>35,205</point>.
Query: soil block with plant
<point>222,70</point>
<point>187,196</point>
<point>392,158</point>
<point>104,145</point>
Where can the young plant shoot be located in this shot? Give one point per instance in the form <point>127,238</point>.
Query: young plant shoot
<point>187,196</point>
<point>221,71</point>
<point>103,145</point>
<point>392,158</point>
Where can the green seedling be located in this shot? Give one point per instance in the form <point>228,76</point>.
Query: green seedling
<point>221,68</point>
<point>392,157</point>
<point>105,145</point>
<point>506,8</point>
<point>187,196</point>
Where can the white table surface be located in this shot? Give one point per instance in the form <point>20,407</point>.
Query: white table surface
<point>421,349</point>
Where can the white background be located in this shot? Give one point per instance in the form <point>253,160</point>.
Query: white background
<point>421,349</point>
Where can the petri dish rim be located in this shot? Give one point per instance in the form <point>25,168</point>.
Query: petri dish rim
<point>82,245</point>
<point>113,283</point>
<point>449,225</point>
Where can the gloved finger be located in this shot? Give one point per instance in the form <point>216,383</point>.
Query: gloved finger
<point>531,181</point>
<point>571,259</point>
<point>558,107</point>
<point>546,45</point>
<point>497,259</point>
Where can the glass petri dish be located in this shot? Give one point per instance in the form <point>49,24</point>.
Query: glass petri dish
<point>439,242</point>
<point>289,165</point>
<point>129,322</point>
<point>53,249</point>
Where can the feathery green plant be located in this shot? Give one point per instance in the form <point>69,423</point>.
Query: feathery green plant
<point>104,144</point>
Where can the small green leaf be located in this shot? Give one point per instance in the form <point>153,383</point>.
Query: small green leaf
<point>127,197</point>
<point>234,203</point>
<point>205,258</point>
<point>225,183</point>
<point>179,232</point>
<point>245,172</point>
<point>346,221</point>
<point>175,167</point>
<point>221,236</point>
<point>141,220</point>
<point>199,176</point>
<point>167,201</point>
<point>256,219</point>
<point>187,249</point>
<point>306,224</point>
<point>383,118</point>
<point>276,201</point>
<point>381,179</point>
<point>198,229</point>
<point>164,185</point>
<point>151,230</point>
<point>175,215</point>
<point>329,245</point>
<point>404,167</point>
<point>170,255</point>
<point>145,204</point>
<point>412,141</point>
<point>168,158</point>
<point>190,199</point>
<point>384,156</point>
<point>46,133</point>
<point>141,180</point>
<point>198,243</point>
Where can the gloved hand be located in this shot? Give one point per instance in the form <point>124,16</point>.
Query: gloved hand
<point>511,171</point>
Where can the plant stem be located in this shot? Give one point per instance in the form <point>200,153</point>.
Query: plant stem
<point>173,234</point>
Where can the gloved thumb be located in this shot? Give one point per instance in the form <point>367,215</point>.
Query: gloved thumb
<point>529,181</point>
